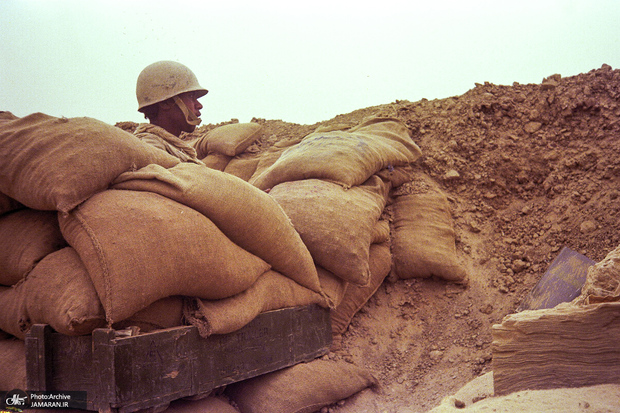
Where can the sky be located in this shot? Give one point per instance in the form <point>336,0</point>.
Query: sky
<point>301,62</point>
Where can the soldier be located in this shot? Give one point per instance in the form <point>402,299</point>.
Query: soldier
<point>168,94</point>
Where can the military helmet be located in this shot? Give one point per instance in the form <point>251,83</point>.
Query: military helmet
<point>162,80</point>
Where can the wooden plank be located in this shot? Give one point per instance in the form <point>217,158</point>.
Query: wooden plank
<point>566,346</point>
<point>126,374</point>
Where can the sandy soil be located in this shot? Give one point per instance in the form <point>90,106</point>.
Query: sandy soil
<point>528,169</point>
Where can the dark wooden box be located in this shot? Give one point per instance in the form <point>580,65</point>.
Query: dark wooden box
<point>126,374</point>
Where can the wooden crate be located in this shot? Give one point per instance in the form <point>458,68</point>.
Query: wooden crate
<point>125,374</point>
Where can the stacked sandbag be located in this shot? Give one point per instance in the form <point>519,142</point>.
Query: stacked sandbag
<point>303,388</point>
<point>336,224</point>
<point>170,232</point>
<point>51,163</point>
<point>168,249</point>
<point>423,239</point>
<point>26,237</point>
<point>345,157</point>
<point>329,185</point>
<point>58,292</point>
<point>225,148</point>
<point>246,215</point>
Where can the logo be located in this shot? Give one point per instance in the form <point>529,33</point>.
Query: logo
<point>16,400</point>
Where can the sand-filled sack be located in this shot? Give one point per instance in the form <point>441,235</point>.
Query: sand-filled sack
<point>337,225</point>
<point>51,163</point>
<point>302,388</point>
<point>59,292</point>
<point>355,296</point>
<point>243,166</point>
<point>216,161</point>
<point>12,364</point>
<point>8,204</point>
<point>246,215</point>
<point>345,157</point>
<point>228,140</point>
<point>26,237</point>
<point>423,238</point>
<point>13,317</point>
<point>140,247</point>
<point>164,313</point>
<point>272,291</point>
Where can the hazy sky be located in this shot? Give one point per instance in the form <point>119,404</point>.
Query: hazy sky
<point>301,62</point>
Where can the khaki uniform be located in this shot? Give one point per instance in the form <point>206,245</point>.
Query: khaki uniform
<point>164,140</point>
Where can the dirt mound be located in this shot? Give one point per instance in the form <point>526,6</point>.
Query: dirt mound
<point>528,169</point>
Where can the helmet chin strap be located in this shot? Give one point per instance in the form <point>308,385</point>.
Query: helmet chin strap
<point>190,118</point>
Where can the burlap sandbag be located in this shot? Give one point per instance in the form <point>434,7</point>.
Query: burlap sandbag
<point>243,166</point>
<point>381,232</point>
<point>271,155</point>
<point>228,140</point>
<point>163,313</point>
<point>346,157</point>
<point>355,296</point>
<point>13,317</point>
<point>335,224</point>
<point>302,388</point>
<point>59,292</point>
<point>12,365</point>
<point>51,163</point>
<point>332,285</point>
<point>216,161</point>
<point>26,236</point>
<point>245,214</point>
<point>423,239</point>
<point>272,291</point>
<point>139,247</point>
<point>8,204</point>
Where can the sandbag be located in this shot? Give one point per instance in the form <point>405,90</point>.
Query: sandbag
<point>8,204</point>
<point>272,291</point>
<point>51,163</point>
<point>59,292</point>
<point>271,155</point>
<point>423,239</point>
<point>140,247</point>
<point>26,236</point>
<point>345,157</point>
<point>335,224</point>
<point>380,232</point>
<point>246,215</point>
<point>228,140</point>
<point>243,166</point>
<point>355,296</point>
<point>302,388</point>
<point>332,285</point>
<point>216,161</point>
<point>13,317</point>
<point>166,312</point>
<point>12,365</point>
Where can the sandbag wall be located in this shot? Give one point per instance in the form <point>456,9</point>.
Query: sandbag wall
<point>335,185</point>
<point>97,227</point>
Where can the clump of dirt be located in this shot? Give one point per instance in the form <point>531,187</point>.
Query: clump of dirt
<point>528,170</point>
